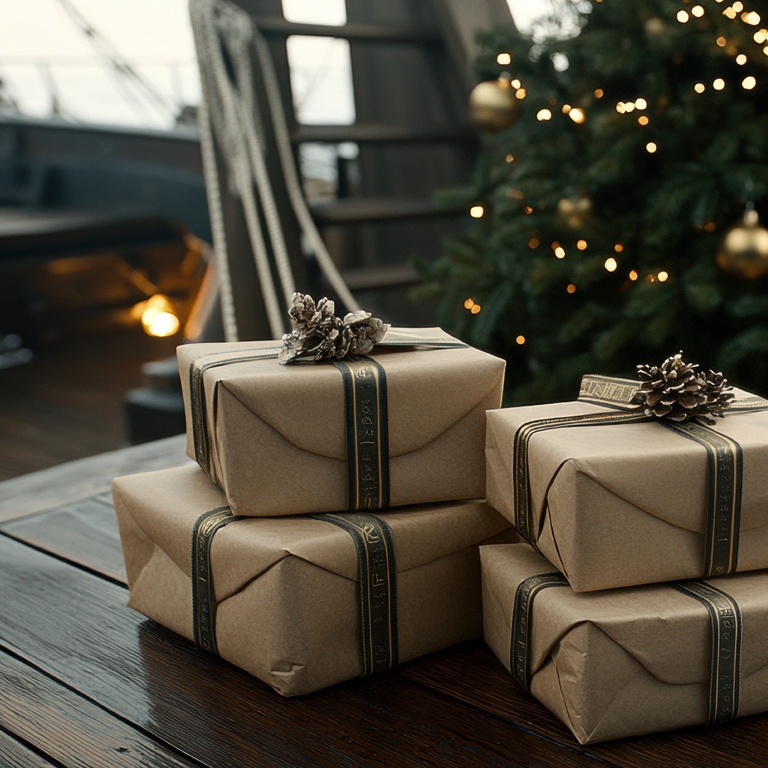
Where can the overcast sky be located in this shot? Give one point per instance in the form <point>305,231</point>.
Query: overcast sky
<point>41,50</point>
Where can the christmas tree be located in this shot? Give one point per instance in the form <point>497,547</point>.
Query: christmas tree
<point>599,215</point>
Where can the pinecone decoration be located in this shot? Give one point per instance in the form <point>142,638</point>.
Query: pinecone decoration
<point>677,391</point>
<point>319,334</point>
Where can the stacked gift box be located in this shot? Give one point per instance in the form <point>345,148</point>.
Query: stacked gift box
<point>333,526</point>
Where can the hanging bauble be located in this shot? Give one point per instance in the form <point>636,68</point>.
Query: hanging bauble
<point>744,249</point>
<point>573,212</point>
<point>493,105</point>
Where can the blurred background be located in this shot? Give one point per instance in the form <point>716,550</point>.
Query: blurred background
<point>574,185</point>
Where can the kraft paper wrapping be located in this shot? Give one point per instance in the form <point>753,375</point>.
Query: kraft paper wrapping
<point>277,439</point>
<point>623,662</point>
<point>625,504</point>
<point>286,588</point>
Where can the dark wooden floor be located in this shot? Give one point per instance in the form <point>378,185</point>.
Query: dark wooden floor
<point>88,683</point>
<point>67,403</point>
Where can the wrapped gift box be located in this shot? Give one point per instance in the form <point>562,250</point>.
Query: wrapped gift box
<point>302,602</point>
<point>629,661</point>
<point>305,437</point>
<point>632,502</point>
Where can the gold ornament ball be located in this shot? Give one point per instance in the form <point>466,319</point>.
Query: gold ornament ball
<point>744,249</point>
<point>573,212</point>
<point>493,105</point>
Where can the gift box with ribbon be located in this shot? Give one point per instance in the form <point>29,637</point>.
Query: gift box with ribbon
<point>628,661</point>
<point>403,425</point>
<point>302,602</point>
<point>614,496</point>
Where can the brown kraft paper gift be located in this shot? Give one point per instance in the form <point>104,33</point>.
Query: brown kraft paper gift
<point>629,661</point>
<point>627,503</point>
<point>276,437</point>
<point>287,593</point>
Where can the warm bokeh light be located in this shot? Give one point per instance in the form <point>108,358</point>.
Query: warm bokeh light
<point>577,115</point>
<point>475,309</point>
<point>641,103</point>
<point>515,83</point>
<point>618,247</point>
<point>509,158</point>
<point>738,6</point>
<point>544,114</point>
<point>663,276</point>
<point>503,59</point>
<point>566,108</point>
<point>721,41</point>
<point>560,252</point>
<point>476,211</point>
<point>571,288</point>
<point>520,340</point>
<point>760,36</point>
<point>752,18</point>
<point>748,83</point>
<point>611,264</point>
<point>157,317</point>
<point>581,245</point>
<point>629,106</point>
<point>651,147</point>
<point>643,120</point>
<point>469,303</point>
<point>533,242</point>
<point>710,226</point>
<point>699,87</point>
<point>599,93</point>
<point>697,11</point>
<point>682,16</point>
<point>528,209</point>
<point>741,59</point>
<point>521,93</point>
<point>620,108</point>
<point>633,275</point>
<point>719,84</point>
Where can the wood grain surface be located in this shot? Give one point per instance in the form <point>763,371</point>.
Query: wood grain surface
<point>13,754</point>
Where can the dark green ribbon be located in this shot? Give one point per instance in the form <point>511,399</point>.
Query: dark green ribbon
<point>725,463</point>
<point>726,625</point>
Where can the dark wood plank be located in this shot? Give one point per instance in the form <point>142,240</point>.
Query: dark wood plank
<point>473,675</point>
<point>68,728</point>
<point>85,533</point>
<point>77,628</point>
<point>54,487</point>
<point>13,754</point>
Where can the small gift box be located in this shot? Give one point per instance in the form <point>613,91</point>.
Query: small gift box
<point>302,602</point>
<point>614,497</point>
<point>405,425</point>
<point>628,661</point>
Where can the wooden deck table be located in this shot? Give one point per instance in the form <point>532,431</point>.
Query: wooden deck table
<point>86,682</point>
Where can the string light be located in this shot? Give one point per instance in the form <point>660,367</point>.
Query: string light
<point>738,6</point>
<point>509,158</point>
<point>730,13</point>
<point>476,211</point>
<point>752,18</point>
<point>663,276</point>
<point>710,226</point>
<point>469,303</point>
<point>641,103</point>
<point>760,36</point>
<point>643,120</point>
<point>719,84</point>
<point>577,115</point>
<point>618,247</point>
<point>503,59</point>
<point>611,264</point>
<point>521,93</point>
<point>697,11</point>
<point>582,245</point>
<point>633,275</point>
<point>533,242</point>
<point>682,17</point>
<point>515,83</point>
<point>721,41</point>
<point>699,87</point>
<point>475,309</point>
<point>629,106</point>
<point>158,317</point>
<point>651,147</point>
<point>571,288</point>
<point>599,93</point>
<point>620,108</point>
<point>528,209</point>
<point>765,50</point>
<point>520,340</point>
<point>560,252</point>
<point>543,114</point>
<point>748,83</point>
<point>741,59</point>
<point>566,108</point>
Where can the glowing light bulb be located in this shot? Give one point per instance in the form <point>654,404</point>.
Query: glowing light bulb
<point>651,147</point>
<point>577,115</point>
<point>629,106</point>
<point>476,211</point>
<point>697,11</point>
<point>760,36</point>
<point>533,242</point>
<point>721,41</point>
<point>509,158</point>
<point>643,120</point>
<point>475,309</point>
<point>620,108</point>
<point>566,108</point>
<point>560,252</point>
<point>515,83</point>
<point>719,84</point>
<point>633,275</point>
<point>520,340</point>
<point>611,264</point>
<point>699,87</point>
<point>748,83</point>
<point>543,114</point>
<point>521,93</point>
<point>738,6</point>
<point>682,17</point>
<point>598,93</point>
<point>503,59</point>
<point>730,13</point>
<point>641,103</point>
<point>663,276</point>
<point>582,245</point>
<point>741,59</point>
<point>618,247</point>
<point>469,303</point>
<point>571,288</point>
<point>158,318</point>
<point>752,18</point>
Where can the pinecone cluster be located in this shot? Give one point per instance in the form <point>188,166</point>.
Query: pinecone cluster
<point>676,390</point>
<point>319,334</point>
